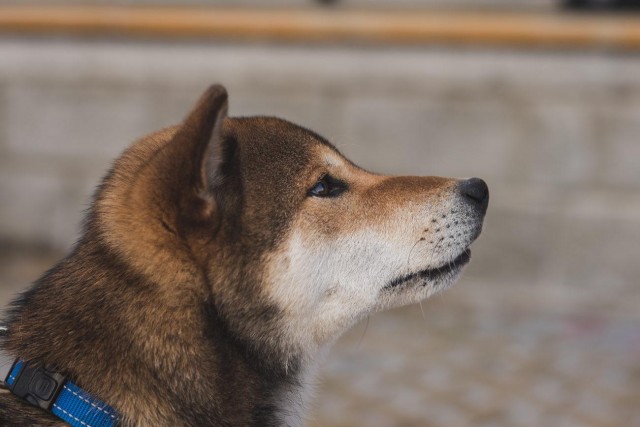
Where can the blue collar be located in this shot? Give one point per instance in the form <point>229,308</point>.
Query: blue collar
<point>52,392</point>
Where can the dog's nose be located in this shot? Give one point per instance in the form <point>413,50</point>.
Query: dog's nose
<point>476,191</point>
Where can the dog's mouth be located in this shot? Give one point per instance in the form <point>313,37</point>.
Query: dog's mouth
<point>433,274</point>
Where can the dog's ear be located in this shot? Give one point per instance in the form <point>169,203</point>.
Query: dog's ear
<point>204,125</point>
<point>200,143</point>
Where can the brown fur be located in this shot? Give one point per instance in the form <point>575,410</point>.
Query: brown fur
<point>169,275</point>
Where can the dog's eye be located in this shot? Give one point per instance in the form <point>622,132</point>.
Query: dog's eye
<point>327,186</point>
<point>321,189</point>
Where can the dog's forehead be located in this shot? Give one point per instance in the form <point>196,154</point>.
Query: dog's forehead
<point>331,158</point>
<point>266,130</point>
<point>273,148</point>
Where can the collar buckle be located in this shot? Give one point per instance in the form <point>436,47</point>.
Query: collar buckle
<point>36,384</point>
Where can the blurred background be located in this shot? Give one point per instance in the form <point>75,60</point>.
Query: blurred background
<point>540,98</point>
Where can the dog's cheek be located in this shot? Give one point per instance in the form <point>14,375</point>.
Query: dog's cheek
<point>330,269</point>
<point>342,273</point>
<point>320,286</point>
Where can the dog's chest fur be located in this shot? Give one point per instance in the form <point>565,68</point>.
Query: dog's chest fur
<point>175,367</point>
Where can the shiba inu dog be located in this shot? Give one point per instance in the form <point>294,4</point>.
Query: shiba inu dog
<point>219,260</point>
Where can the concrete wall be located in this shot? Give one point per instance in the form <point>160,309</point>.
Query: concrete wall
<point>556,135</point>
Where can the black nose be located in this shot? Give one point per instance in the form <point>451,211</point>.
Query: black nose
<point>476,191</point>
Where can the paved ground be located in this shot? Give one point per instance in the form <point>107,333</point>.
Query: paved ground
<point>458,363</point>
<point>458,366</point>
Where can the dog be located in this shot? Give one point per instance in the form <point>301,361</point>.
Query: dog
<point>218,262</point>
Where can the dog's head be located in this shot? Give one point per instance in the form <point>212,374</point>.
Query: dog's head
<point>291,242</point>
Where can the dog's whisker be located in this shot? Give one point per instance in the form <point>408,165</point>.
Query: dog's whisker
<point>422,311</point>
<point>364,332</point>
<point>411,251</point>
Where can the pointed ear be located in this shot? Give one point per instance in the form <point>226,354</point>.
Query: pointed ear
<point>195,146</point>
<point>201,134</point>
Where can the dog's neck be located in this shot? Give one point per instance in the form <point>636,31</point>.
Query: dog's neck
<point>295,400</point>
<point>175,362</point>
